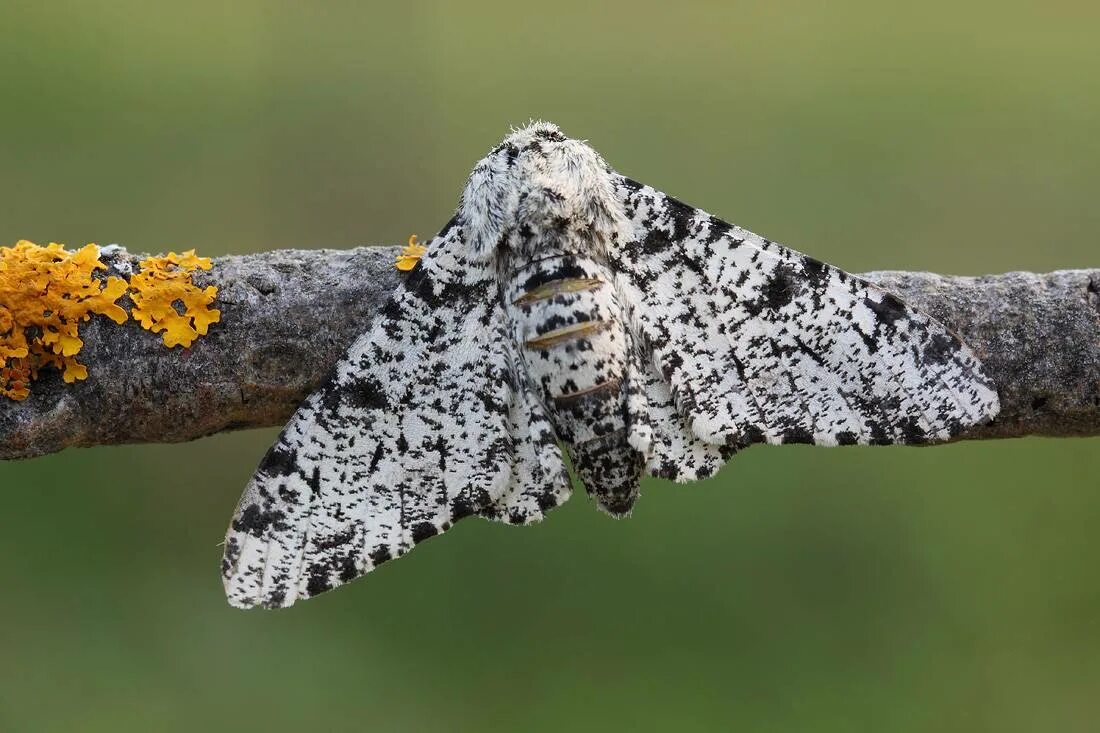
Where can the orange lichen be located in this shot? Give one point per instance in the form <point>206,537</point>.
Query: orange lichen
<point>410,255</point>
<point>166,300</point>
<point>15,377</point>
<point>45,292</point>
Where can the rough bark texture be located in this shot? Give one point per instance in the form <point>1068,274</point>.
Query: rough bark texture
<point>288,315</point>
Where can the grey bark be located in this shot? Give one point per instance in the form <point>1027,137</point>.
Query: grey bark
<point>288,315</point>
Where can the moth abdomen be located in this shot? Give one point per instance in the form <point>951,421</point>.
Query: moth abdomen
<point>572,332</point>
<point>610,470</point>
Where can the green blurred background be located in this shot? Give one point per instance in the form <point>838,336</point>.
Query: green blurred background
<point>950,588</point>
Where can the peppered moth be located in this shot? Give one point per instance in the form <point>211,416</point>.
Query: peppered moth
<point>565,304</point>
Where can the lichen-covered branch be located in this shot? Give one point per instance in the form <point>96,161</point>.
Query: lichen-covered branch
<point>288,315</point>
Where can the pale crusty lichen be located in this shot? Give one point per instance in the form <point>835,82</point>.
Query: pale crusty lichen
<point>46,292</point>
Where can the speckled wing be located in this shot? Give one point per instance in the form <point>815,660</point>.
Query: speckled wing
<point>754,342</point>
<point>426,420</point>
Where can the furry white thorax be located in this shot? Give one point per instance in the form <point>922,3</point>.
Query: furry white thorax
<point>539,190</point>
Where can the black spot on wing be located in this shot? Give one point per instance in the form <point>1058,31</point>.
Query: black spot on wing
<point>281,460</point>
<point>798,435</point>
<point>668,469</point>
<point>349,571</point>
<point>380,555</point>
<point>752,434</point>
<point>729,449</point>
<point>232,554</point>
<point>656,241</point>
<point>318,580</point>
<point>333,541</point>
<point>422,531</point>
<point>313,481</point>
<point>703,472</point>
<point>846,437</point>
<point>782,287</point>
<point>805,349</point>
<point>435,294</point>
<point>940,348</point>
<point>816,272</point>
<point>379,451</point>
<point>680,215</point>
<point>717,230</point>
<point>672,362</point>
<point>888,310</point>
<point>547,500</point>
<point>911,431</point>
<point>461,507</point>
<point>954,427</point>
<point>255,521</point>
<point>364,393</point>
<point>879,436</point>
<point>868,340</point>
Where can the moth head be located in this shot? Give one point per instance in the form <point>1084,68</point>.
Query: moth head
<point>539,189</point>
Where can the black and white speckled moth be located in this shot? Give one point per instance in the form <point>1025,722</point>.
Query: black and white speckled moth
<point>565,303</point>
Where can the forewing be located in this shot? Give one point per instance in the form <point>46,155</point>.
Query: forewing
<point>424,422</point>
<point>761,343</point>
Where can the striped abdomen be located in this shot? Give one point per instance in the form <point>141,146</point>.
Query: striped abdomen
<point>571,332</point>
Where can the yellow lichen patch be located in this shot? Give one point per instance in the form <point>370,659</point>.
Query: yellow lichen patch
<point>165,299</point>
<point>45,292</point>
<point>410,255</point>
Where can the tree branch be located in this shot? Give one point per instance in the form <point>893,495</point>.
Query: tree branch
<point>288,315</point>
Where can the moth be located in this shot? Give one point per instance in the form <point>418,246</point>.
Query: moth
<point>567,305</point>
